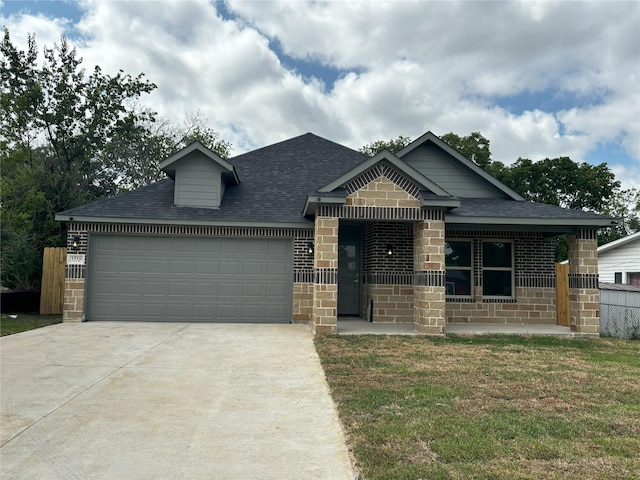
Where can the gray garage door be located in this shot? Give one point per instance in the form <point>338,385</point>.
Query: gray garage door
<point>189,279</point>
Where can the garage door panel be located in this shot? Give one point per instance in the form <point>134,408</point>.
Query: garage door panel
<point>276,248</point>
<point>231,267</point>
<point>276,291</point>
<point>274,313</point>
<point>253,290</point>
<point>155,288</point>
<point>254,268</point>
<point>207,267</point>
<point>156,266</point>
<point>229,246</point>
<point>181,289</point>
<point>181,266</point>
<point>205,289</point>
<point>276,269</point>
<point>189,279</point>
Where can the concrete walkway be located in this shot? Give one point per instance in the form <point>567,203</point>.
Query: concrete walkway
<point>181,401</point>
<point>356,326</point>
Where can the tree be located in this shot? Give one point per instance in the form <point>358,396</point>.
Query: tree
<point>394,146</point>
<point>561,181</point>
<point>55,120</point>
<point>474,146</point>
<point>68,138</point>
<point>132,161</point>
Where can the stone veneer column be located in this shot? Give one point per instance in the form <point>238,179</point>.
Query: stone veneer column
<point>325,284</point>
<point>428,266</point>
<point>73,300</point>
<point>583,282</point>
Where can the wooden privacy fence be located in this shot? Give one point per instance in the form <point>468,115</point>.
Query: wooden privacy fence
<point>52,290</point>
<point>563,308</point>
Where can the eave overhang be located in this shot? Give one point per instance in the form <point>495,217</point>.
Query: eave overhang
<point>314,201</point>
<point>542,222</point>
<point>428,201</point>
<point>229,174</point>
<point>395,162</point>
<point>304,223</point>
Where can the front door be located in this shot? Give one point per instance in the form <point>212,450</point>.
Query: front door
<point>349,270</point>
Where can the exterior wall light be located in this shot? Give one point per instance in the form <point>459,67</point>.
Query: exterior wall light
<point>310,248</point>
<point>389,249</point>
<point>76,243</point>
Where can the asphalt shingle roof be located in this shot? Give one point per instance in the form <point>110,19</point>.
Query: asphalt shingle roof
<point>507,208</point>
<point>275,182</point>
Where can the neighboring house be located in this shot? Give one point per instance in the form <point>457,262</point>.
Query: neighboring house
<point>307,230</point>
<point>619,261</point>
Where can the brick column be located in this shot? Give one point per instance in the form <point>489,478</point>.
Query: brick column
<point>429,275</point>
<point>584,294</point>
<point>325,282</point>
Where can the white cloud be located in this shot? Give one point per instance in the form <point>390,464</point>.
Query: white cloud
<point>410,67</point>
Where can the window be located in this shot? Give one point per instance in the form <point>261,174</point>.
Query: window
<point>458,255</point>
<point>617,277</point>
<point>497,269</point>
<point>633,278</point>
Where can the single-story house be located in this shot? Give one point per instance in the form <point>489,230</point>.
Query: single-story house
<point>619,261</point>
<point>307,230</point>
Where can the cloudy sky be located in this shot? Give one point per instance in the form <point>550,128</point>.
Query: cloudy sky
<point>538,79</point>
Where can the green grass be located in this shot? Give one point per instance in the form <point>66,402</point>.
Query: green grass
<point>26,321</point>
<point>487,407</point>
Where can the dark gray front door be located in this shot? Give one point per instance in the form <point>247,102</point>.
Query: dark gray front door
<point>192,279</point>
<point>349,270</point>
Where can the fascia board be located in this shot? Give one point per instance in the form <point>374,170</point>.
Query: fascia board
<point>314,200</point>
<point>451,202</point>
<point>306,224</point>
<point>574,222</point>
<point>429,136</point>
<point>393,160</point>
<point>618,243</point>
<point>197,146</point>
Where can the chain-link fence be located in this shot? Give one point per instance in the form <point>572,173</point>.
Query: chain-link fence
<point>620,321</point>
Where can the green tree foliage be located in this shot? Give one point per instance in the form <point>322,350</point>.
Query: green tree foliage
<point>55,121</point>
<point>474,146</point>
<point>131,161</point>
<point>394,146</point>
<point>68,138</point>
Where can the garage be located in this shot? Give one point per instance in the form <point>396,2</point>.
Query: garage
<point>189,279</point>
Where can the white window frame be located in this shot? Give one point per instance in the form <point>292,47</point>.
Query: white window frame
<point>511,269</point>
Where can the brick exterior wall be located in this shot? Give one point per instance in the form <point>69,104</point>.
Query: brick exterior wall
<point>534,301</point>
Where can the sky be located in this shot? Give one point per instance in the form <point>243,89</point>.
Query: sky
<point>539,79</point>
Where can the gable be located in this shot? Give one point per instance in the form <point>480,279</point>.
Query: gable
<point>436,159</point>
<point>198,182</point>
<point>441,169</point>
<point>382,186</point>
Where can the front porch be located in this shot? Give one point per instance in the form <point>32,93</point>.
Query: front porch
<point>385,250</point>
<point>357,326</point>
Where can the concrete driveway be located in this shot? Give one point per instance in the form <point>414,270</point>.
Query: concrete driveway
<point>167,401</point>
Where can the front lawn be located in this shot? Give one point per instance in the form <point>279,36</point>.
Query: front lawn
<point>487,407</point>
<point>26,321</point>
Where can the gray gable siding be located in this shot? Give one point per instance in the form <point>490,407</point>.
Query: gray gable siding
<point>448,174</point>
<point>198,182</point>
